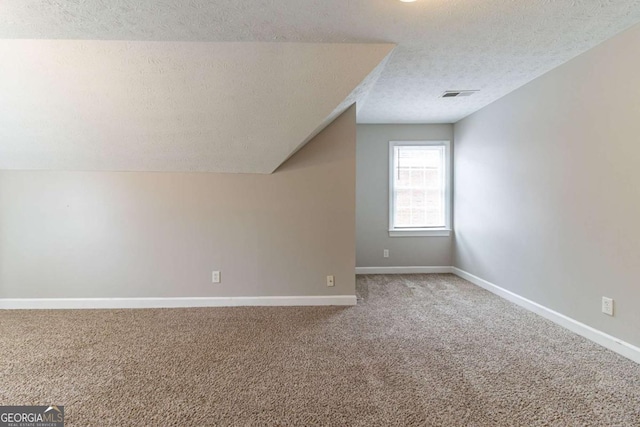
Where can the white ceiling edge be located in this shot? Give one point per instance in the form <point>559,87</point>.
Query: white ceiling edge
<point>172,106</point>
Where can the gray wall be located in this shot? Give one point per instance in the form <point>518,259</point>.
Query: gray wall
<point>547,189</point>
<point>106,234</point>
<point>372,201</point>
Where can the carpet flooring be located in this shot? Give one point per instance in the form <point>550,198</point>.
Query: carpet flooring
<point>417,350</point>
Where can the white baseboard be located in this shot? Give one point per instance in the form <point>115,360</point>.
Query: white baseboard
<point>612,343</point>
<point>402,270</point>
<point>115,303</point>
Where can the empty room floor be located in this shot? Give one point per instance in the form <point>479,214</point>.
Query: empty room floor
<point>416,350</point>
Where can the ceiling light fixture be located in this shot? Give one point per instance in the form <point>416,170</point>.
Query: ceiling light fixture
<point>407,1</point>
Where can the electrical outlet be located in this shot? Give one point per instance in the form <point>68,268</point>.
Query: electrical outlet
<point>331,281</point>
<point>215,277</point>
<point>607,306</point>
<point>385,253</point>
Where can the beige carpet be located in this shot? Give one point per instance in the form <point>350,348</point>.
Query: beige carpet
<point>417,350</point>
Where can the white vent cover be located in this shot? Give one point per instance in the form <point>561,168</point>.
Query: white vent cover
<point>458,93</point>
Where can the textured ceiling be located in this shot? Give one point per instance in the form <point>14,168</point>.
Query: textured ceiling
<point>491,45</point>
<point>172,106</point>
<point>164,84</point>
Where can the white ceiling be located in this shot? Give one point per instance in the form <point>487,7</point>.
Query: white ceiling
<point>172,106</point>
<point>491,45</point>
<point>164,84</point>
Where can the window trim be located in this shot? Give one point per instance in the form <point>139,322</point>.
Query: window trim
<point>448,173</point>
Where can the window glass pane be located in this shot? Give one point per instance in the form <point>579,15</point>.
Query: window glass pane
<point>403,199</point>
<point>404,176</point>
<point>433,179</point>
<point>417,177</point>
<point>417,217</point>
<point>403,218</point>
<point>419,193</point>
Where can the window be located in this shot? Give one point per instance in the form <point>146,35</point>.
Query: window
<point>420,188</point>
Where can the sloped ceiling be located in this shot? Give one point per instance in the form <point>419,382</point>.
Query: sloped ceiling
<point>171,106</point>
<point>494,46</point>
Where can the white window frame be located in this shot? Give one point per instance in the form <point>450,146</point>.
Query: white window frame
<point>422,231</point>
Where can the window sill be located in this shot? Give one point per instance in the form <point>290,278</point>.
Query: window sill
<point>420,232</point>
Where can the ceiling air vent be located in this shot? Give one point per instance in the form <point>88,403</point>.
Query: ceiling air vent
<point>458,93</point>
